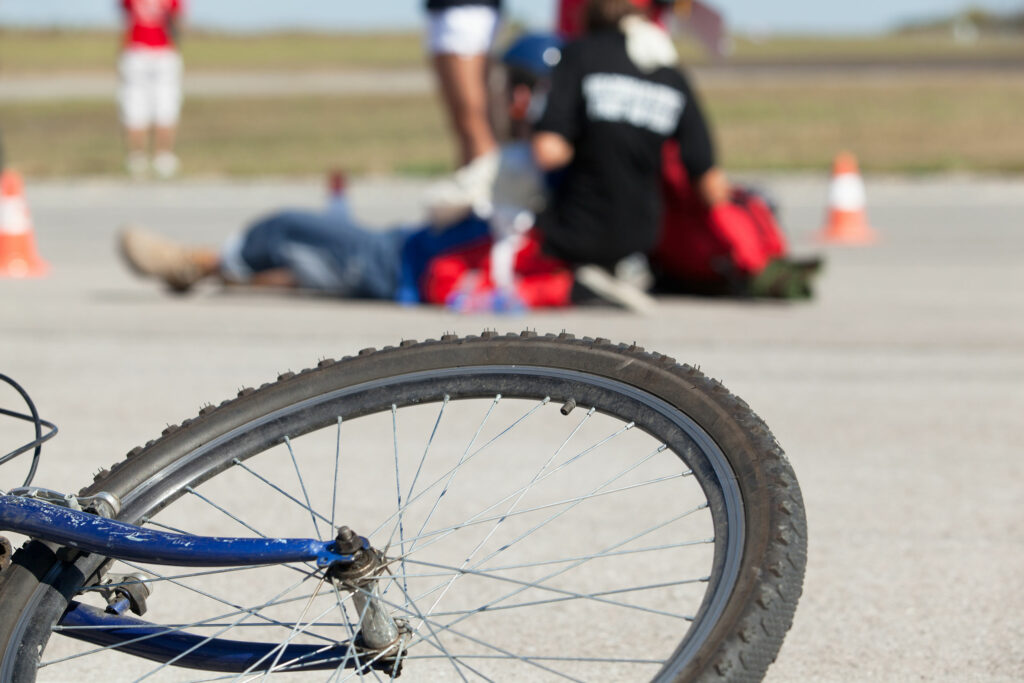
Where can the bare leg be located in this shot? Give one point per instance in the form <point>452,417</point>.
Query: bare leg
<point>165,163</point>
<point>207,260</point>
<point>278,277</point>
<point>137,162</point>
<point>163,139</point>
<point>138,140</point>
<point>463,81</point>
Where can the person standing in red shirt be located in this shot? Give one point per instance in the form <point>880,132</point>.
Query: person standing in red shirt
<point>150,69</point>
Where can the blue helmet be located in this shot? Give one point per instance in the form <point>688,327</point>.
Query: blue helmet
<point>535,54</point>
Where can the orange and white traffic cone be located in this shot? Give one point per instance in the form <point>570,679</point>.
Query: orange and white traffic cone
<point>18,255</point>
<point>847,216</point>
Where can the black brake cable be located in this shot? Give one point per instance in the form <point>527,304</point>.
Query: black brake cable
<point>39,423</point>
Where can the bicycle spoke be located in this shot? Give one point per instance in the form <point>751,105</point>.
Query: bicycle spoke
<point>571,506</point>
<point>284,493</point>
<point>190,575</point>
<point>334,489</point>
<point>306,577</point>
<point>557,469</point>
<point>210,622</point>
<point>242,612</point>
<point>511,508</point>
<point>221,509</point>
<point>398,484</point>
<point>551,518</point>
<point>562,560</point>
<point>500,520</point>
<point>398,658</point>
<point>243,617</point>
<point>360,668</point>
<point>302,485</point>
<point>539,584</point>
<point>472,521</point>
<point>351,632</point>
<point>430,441</point>
<point>548,658</point>
<point>462,459</point>
<point>436,639</point>
<point>591,596</point>
<point>508,654</point>
<point>436,642</point>
<point>295,629</point>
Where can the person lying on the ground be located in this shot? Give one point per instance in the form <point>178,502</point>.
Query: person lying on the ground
<point>620,115</point>
<point>314,251</point>
<point>318,252</point>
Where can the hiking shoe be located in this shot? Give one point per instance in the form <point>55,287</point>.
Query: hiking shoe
<point>786,279</point>
<point>152,255</point>
<point>595,283</point>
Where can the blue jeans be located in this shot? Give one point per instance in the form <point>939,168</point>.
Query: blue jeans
<point>324,252</point>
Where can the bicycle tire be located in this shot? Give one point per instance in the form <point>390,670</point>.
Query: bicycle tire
<point>751,493</point>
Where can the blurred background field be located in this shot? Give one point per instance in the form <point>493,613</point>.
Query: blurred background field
<point>918,100</point>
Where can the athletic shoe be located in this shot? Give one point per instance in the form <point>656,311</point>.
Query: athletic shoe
<point>166,164</point>
<point>137,165</point>
<point>635,269</point>
<point>595,283</point>
<point>152,255</point>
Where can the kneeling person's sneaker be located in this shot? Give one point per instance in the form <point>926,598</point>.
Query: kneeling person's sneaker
<point>152,255</point>
<point>595,284</point>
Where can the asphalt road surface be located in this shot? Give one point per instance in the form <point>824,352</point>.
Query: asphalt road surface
<point>898,392</point>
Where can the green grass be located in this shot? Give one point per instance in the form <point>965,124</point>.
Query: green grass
<point>251,137</point>
<point>962,123</point>
<point>959,123</point>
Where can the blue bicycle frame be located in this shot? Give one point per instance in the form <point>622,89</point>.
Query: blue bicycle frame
<point>120,541</point>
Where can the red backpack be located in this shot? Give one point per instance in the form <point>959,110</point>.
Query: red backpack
<point>703,246</point>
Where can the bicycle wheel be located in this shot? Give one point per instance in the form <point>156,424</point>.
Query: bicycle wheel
<point>546,509</point>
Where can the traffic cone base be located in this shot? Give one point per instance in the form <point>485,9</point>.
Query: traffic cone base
<point>19,257</point>
<point>847,227</point>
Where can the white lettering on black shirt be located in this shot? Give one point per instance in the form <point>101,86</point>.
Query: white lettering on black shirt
<point>624,99</point>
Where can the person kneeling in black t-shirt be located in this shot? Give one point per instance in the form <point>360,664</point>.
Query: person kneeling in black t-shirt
<point>616,97</point>
<point>620,117</point>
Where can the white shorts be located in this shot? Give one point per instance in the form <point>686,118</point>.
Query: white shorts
<point>467,30</point>
<point>150,89</point>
